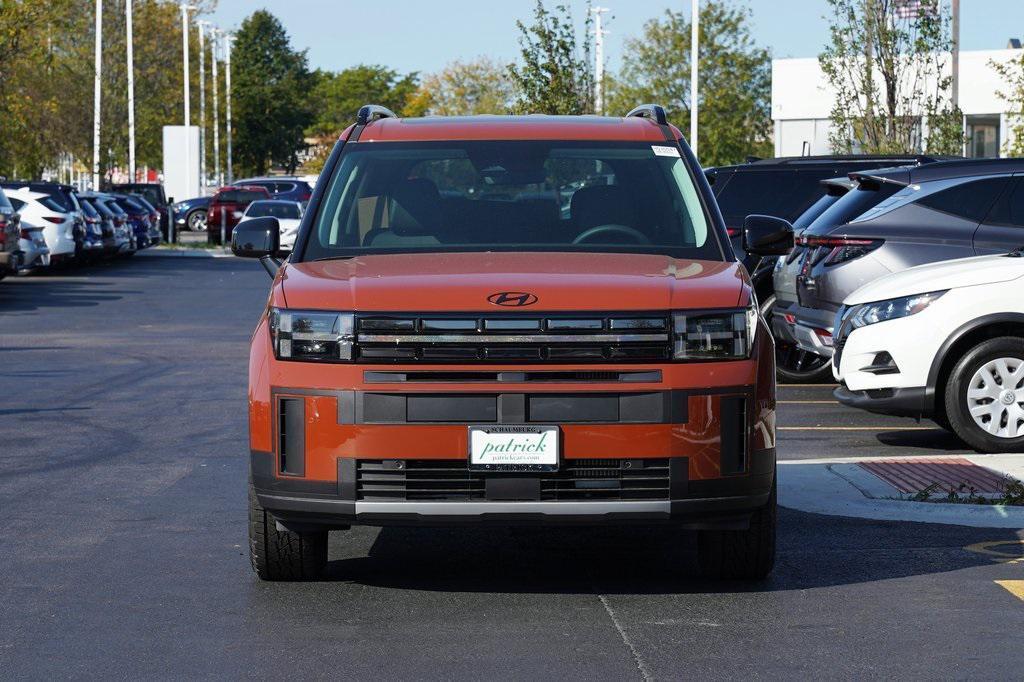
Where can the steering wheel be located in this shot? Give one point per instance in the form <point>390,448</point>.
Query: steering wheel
<point>611,228</point>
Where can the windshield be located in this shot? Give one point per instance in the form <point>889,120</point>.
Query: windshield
<point>285,210</point>
<point>511,196</point>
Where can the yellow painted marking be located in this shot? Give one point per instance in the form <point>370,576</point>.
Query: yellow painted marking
<point>1014,587</point>
<point>1012,554</point>
<point>857,428</point>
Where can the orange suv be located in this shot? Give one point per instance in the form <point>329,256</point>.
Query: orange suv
<point>511,320</point>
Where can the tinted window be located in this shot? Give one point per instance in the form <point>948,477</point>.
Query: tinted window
<point>88,210</point>
<point>239,196</point>
<point>852,204</point>
<point>16,204</point>
<point>114,208</point>
<point>131,205</point>
<point>784,194</point>
<point>968,200</point>
<point>277,209</point>
<point>1009,210</point>
<point>512,196</point>
<point>816,209</point>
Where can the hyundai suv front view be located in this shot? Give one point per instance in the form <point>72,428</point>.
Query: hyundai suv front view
<point>511,320</point>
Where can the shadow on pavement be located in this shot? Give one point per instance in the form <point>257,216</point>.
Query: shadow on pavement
<point>814,551</point>
<point>933,439</point>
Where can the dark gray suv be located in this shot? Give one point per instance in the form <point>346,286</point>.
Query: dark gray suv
<point>893,220</point>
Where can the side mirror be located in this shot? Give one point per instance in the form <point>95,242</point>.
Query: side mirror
<point>764,235</point>
<point>256,238</point>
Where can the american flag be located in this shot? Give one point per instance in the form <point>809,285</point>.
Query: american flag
<point>913,9</point>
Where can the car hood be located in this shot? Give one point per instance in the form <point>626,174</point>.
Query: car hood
<point>963,272</point>
<point>560,281</point>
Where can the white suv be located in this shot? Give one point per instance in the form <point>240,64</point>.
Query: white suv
<point>943,341</point>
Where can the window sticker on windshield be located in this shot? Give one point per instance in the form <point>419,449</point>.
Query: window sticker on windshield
<point>665,151</point>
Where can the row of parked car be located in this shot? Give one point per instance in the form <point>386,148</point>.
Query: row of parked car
<point>855,219</point>
<point>931,247</point>
<point>46,223</point>
<point>282,197</point>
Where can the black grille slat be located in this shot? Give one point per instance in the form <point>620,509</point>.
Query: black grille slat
<point>451,480</point>
<point>550,338</point>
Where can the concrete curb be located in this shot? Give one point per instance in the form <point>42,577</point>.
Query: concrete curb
<point>839,487</point>
<point>159,252</point>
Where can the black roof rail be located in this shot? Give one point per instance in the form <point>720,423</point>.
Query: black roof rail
<point>655,112</point>
<point>369,113</point>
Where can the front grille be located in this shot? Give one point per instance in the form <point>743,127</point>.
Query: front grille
<point>452,481</point>
<point>514,337</point>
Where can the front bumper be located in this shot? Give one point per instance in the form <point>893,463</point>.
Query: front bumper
<point>719,503</point>
<point>913,402</point>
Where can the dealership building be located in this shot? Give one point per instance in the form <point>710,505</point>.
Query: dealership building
<point>802,102</point>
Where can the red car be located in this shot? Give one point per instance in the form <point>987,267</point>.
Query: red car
<point>228,205</point>
<point>511,320</point>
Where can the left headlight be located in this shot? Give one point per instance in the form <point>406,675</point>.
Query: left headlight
<point>891,309</point>
<point>312,335</point>
<point>720,335</point>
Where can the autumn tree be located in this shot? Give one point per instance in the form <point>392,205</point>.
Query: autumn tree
<point>735,80</point>
<point>462,88</point>
<point>555,75</point>
<point>886,65</point>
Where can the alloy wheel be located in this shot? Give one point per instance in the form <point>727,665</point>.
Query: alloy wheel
<point>995,397</point>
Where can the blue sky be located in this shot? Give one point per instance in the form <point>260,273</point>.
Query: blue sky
<point>417,35</point>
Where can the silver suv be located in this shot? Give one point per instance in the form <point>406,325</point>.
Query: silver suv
<point>893,220</point>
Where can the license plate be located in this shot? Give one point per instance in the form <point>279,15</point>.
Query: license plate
<point>513,448</point>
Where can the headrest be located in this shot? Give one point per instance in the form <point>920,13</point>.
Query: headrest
<point>417,207</point>
<point>602,205</point>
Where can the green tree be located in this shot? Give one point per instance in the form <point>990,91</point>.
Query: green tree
<point>1012,73</point>
<point>886,69</point>
<point>337,97</point>
<point>270,86</point>
<point>735,80</point>
<point>556,74</point>
<point>462,88</point>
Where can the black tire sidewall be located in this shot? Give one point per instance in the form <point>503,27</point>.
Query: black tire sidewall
<point>956,388</point>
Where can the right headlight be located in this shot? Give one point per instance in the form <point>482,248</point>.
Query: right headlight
<point>719,335</point>
<point>891,309</point>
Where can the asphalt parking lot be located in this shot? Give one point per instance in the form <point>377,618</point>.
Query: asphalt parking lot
<point>122,482</point>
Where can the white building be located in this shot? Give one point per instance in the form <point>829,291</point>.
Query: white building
<point>802,102</point>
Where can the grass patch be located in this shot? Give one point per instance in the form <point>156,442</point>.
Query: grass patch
<point>1012,495</point>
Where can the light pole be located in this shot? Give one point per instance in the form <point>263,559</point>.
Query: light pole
<point>218,180</point>
<point>202,102</point>
<point>97,79</point>
<point>694,61</point>
<point>228,39</point>
<point>188,113</point>
<point>599,35</point>
<point>131,91</point>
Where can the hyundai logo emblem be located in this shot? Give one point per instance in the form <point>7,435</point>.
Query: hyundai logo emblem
<point>515,299</point>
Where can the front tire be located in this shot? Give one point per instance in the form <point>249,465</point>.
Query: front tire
<point>741,554</point>
<point>794,365</point>
<point>283,555</point>
<point>196,220</point>
<point>985,396</point>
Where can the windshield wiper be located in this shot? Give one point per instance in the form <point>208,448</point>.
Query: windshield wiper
<point>1016,253</point>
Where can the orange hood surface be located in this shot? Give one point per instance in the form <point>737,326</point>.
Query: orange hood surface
<point>438,282</point>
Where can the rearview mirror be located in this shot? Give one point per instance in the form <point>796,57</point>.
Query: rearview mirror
<point>764,235</point>
<point>256,238</point>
